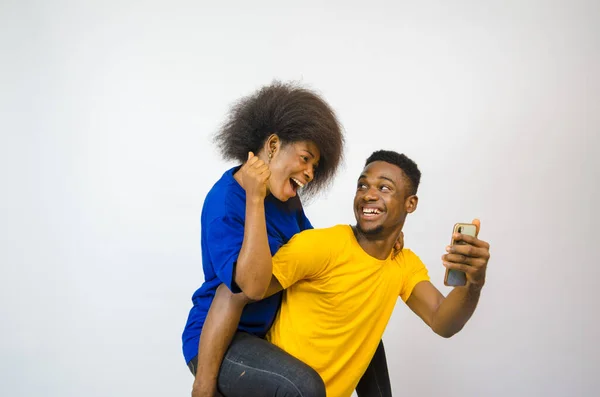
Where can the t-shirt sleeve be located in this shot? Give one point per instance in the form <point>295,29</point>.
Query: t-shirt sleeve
<point>304,257</point>
<point>304,222</point>
<point>414,272</point>
<point>224,242</point>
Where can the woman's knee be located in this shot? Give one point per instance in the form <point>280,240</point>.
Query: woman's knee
<point>311,385</point>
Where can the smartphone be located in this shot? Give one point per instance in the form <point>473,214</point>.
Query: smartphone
<point>456,278</point>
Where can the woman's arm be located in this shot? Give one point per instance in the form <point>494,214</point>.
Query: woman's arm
<point>254,266</point>
<point>219,328</point>
<point>218,331</point>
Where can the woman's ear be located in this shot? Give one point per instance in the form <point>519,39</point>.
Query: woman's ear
<point>272,145</point>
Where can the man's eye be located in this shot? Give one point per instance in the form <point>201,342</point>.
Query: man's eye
<point>385,188</point>
<point>361,186</point>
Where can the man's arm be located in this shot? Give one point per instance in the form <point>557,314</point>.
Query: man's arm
<point>219,328</point>
<point>447,316</point>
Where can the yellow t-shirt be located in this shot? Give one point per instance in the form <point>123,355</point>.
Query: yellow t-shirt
<point>338,301</point>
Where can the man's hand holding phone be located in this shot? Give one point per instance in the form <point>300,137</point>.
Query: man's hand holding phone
<point>470,255</point>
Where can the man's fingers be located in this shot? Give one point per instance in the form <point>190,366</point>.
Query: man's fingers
<point>469,250</point>
<point>465,260</point>
<point>456,258</point>
<point>459,266</point>
<point>471,240</point>
<point>399,244</point>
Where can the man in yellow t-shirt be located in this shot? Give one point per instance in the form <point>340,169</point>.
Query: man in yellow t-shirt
<point>342,283</point>
<point>337,302</point>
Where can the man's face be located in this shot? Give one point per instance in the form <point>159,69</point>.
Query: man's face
<point>380,203</point>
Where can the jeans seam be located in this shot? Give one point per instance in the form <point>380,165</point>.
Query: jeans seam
<point>268,372</point>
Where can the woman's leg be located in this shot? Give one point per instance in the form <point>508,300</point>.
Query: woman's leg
<point>254,367</point>
<point>375,382</point>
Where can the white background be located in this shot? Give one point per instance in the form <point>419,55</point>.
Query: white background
<point>107,109</point>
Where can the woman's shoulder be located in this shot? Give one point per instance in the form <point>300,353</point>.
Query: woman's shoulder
<point>225,198</point>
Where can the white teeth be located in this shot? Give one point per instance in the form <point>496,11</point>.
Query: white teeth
<point>298,182</point>
<point>371,211</point>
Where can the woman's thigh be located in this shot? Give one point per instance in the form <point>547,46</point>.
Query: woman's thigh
<point>254,367</point>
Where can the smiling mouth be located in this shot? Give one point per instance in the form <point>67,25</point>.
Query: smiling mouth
<point>296,182</point>
<point>370,213</point>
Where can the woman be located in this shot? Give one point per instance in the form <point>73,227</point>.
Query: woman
<point>289,139</point>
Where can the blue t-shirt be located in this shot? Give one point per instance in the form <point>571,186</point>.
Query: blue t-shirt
<point>221,237</point>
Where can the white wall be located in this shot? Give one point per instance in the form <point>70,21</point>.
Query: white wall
<point>106,114</point>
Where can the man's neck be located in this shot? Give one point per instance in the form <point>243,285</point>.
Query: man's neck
<point>376,245</point>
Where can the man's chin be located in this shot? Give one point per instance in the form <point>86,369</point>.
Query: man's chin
<point>369,231</point>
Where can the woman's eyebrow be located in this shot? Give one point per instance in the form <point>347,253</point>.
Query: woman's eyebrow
<point>309,152</point>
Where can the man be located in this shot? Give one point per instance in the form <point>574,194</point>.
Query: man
<point>341,283</point>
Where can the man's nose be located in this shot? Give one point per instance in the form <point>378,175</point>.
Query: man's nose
<point>371,195</point>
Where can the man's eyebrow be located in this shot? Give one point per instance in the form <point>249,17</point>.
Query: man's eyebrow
<point>387,179</point>
<point>363,176</point>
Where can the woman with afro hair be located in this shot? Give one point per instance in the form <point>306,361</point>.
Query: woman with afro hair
<point>287,140</point>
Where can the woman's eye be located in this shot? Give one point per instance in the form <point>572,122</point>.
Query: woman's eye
<point>305,159</point>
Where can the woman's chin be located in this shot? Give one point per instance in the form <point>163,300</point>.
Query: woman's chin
<point>282,198</point>
<point>283,195</point>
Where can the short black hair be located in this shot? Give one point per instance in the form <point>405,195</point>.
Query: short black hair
<point>409,167</point>
<point>295,114</point>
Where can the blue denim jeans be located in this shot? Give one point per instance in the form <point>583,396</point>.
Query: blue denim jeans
<point>254,367</point>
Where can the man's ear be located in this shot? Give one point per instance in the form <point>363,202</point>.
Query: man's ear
<point>410,204</point>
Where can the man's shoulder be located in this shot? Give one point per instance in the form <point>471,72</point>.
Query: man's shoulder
<point>408,253</point>
<point>408,258</point>
<point>323,234</point>
<point>323,240</point>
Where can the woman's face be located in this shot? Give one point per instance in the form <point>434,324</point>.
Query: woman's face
<point>292,166</point>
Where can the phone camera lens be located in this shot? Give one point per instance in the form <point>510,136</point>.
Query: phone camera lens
<point>460,229</point>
